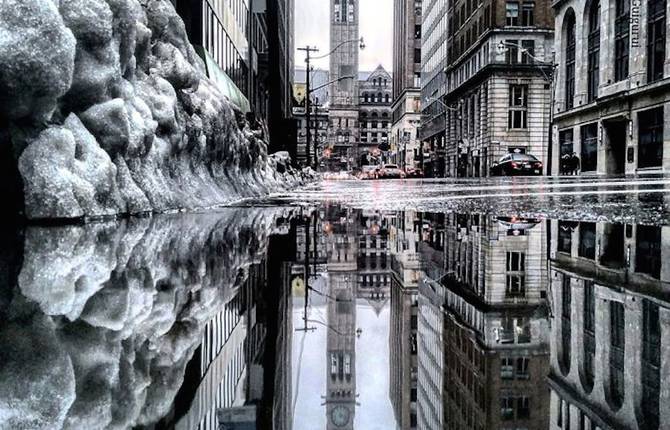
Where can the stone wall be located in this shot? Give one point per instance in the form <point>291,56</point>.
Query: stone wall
<point>105,109</point>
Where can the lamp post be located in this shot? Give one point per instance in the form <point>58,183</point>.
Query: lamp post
<point>308,91</point>
<point>503,47</point>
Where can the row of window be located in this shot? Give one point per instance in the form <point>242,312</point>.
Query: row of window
<point>656,18</point>
<point>220,46</point>
<point>375,98</point>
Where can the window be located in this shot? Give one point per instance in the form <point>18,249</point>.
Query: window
<point>617,347</point>
<point>565,237</point>
<point>570,44</point>
<point>587,240</point>
<point>650,146</point>
<point>512,53</point>
<point>522,407</point>
<point>507,368</point>
<point>522,368</point>
<point>651,361</point>
<point>518,107</point>
<point>589,334</point>
<point>566,324</point>
<point>593,59</point>
<point>655,39</point>
<point>507,408</point>
<point>589,153</point>
<point>621,39</point>
<point>648,251</point>
<point>527,14</point>
<point>527,51</point>
<point>512,13</point>
<point>516,271</point>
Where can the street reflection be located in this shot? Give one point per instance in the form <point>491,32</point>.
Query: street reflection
<point>336,318</point>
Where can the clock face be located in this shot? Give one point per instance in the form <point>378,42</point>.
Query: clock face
<point>340,416</point>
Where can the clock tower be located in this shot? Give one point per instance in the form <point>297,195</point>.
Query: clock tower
<point>340,397</point>
<point>344,135</point>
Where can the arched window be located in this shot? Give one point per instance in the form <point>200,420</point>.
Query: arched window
<point>593,51</point>
<point>379,97</point>
<point>387,98</point>
<point>570,44</point>
<point>621,39</point>
<point>651,364</point>
<point>617,353</point>
<point>589,336</point>
<point>566,325</point>
<point>655,39</point>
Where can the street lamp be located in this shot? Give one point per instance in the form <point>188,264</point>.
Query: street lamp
<point>503,47</point>
<point>308,91</point>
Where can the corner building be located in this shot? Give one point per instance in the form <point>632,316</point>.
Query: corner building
<point>612,85</point>
<point>498,83</point>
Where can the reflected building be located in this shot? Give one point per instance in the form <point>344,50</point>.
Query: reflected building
<point>483,323</point>
<point>406,273</point>
<point>340,397</point>
<point>610,317</point>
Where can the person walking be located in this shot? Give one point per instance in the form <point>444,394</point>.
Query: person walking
<point>575,164</point>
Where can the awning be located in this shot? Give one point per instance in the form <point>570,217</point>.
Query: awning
<point>223,81</point>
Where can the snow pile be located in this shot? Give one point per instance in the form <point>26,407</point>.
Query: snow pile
<point>106,316</point>
<point>108,111</point>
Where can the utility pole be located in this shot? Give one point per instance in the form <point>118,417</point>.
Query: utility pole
<point>308,92</point>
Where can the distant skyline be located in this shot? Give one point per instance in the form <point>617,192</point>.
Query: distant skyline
<point>376,27</point>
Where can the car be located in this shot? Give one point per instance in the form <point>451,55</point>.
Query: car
<point>517,164</point>
<point>389,171</point>
<point>369,172</point>
<point>413,172</point>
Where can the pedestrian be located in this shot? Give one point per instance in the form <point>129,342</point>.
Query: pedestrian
<point>566,161</point>
<point>575,164</point>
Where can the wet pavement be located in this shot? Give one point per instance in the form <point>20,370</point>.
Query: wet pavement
<point>515,303</point>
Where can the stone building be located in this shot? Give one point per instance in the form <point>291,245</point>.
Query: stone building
<point>374,116</point>
<point>498,83</point>
<point>406,271</point>
<point>433,62</point>
<point>406,108</point>
<point>343,113</point>
<point>319,130</point>
<point>609,355</point>
<point>612,86</point>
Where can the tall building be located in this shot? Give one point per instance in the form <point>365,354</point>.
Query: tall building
<point>406,109</point>
<point>611,99</point>
<point>343,111</point>
<point>247,47</point>
<point>433,63</point>
<point>279,63</point>
<point>374,116</point>
<point>610,355</point>
<point>498,87</point>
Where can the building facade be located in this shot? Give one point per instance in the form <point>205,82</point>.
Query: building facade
<point>374,117</point>
<point>406,108</point>
<point>612,87</point>
<point>498,83</point>
<point>609,349</point>
<point>433,63</point>
<point>343,112</point>
<point>247,48</point>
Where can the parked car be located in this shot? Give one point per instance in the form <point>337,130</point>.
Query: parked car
<point>389,171</point>
<point>517,164</point>
<point>369,172</point>
<point>413,172</point>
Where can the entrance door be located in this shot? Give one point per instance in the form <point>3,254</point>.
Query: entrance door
<point>616,148</point>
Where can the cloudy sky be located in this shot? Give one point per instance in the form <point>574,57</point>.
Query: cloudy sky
<point>376,17</point>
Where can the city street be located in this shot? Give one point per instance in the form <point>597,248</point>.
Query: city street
<point>335,215</point>
<point>620,199</point>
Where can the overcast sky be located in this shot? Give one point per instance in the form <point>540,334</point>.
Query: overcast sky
<point>376,26</point>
